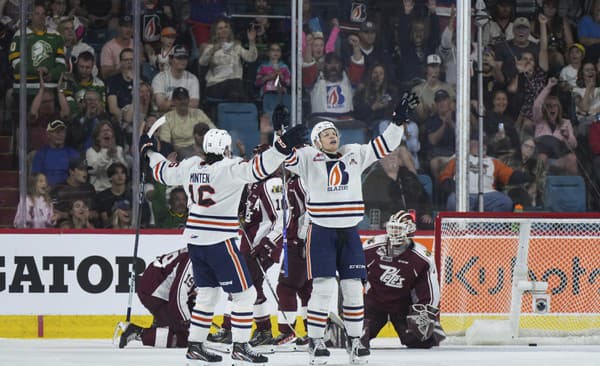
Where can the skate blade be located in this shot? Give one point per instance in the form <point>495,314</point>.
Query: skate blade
<point>246,363</point>
<point>318,361</point>
<point>265,349</point>
<point>218,347</point>
<point>359,360</point>
<point>288,347</point>
<point>200,363</point>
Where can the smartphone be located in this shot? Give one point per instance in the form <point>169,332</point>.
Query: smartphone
<point>500,126</point>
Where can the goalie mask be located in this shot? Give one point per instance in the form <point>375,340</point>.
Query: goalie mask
<point>316,131</point>
<point>217,142</point>
<point>399,228</point>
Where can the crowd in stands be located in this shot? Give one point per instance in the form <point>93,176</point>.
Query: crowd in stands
<point>541,92</point>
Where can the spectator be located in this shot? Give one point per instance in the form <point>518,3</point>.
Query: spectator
<point>155,15</point>
<point>102,154</point>
<point>500,27</point>
<point>427,90</point>
<point>440,132</point>
<point>199,130</point>
<point>491,80</point>
<point>83,79</point>
<point>111,60</point>
<point>146,109</point>
<point>594,142</point>
<point>586,97</point>
<point>175,213</point>
<point>224,56</point>
<point>78,217</point>
<point>37,211</point>
<point>75,187</point>
<point>53,158</point>
<point>559,34</point>
<point>528,195</point>
<point>45,52</point>
<point>500,126</point>
<point>314,52</point>
<point>100,13</point>
<point>569,72</point>
<point>554,135</point>
<point>73,45</point>
<point>118,190</point>
<point>494,175</point>
<point>179,128</point>
<point>273,76</point>
<point>165,82</point>
<point>81,127</point>
<point>203,14</point>
<point>588,31</point>
<point>121,218</point>
<point>373,50</point>
<point>392,186</point>
<point>119,87</point>
<point>161,59</point>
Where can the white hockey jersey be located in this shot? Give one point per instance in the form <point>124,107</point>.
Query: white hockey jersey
<point>334,185</point>
<point>213,191</point>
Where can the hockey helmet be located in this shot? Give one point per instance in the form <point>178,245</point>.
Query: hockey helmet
<point>216,141</point>
<point>318,128</point>
<point>399,228</point>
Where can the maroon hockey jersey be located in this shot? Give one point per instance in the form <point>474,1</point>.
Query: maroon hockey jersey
<point>297,224</point>
<point>395,283</point>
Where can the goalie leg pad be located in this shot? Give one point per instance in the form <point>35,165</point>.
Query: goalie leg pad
<point>318,305</point>
<point>241,315</point>
<point>353,306</point>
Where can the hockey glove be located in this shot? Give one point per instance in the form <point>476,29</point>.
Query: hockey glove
<point>293,137</point>
<point>281,118</point>
<point>421,321</point>
<point>264,249</point>
<point>147,144</point>
<point>406,105</point>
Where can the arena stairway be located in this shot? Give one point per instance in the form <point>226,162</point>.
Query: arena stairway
<point>9,181</point>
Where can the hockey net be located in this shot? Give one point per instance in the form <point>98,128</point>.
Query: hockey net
<point>519,278</point>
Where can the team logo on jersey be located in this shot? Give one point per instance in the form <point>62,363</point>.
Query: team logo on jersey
<point>40,52</point>
<point>337,176</point>
<point>391,276</point>
<point>335,97</point>
<point>319,157</point>
<point>359,12</point>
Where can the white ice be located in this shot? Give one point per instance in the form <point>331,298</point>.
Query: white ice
<point>386,352</point>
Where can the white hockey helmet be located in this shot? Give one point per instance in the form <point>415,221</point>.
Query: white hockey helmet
<point>216,141</point>
<point>318,128</point>
<point>399,228</point>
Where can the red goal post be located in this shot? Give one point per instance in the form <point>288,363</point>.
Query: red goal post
<point>510,278</point>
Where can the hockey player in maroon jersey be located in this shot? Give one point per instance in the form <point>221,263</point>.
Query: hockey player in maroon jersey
<point>402,286</point>
<point>332,178</point>
<point>214,186</point>
<point>166,289</point>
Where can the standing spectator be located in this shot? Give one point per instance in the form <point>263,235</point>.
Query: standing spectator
<point>224,56</point>
<point>179,128</point>
<point>111,60</point>
<point>155,15</point>
<point>586,96</point>
<point>494,175</point>
<point>528,195</point>
<point>83,79</point>
<point>273,76</point>
<point>102,154</point>
<point>53,159</point>
<point>559,34</point>
<point>413,307</point>
<point>440,133</point>
<point>44,49</point>
<point>427,90</point>
<point>373,50</point>
<point>79,216</point>
<point>314,52</point>
<point>171,213</point>
<point>75,187</point>
<point>203,13</point>
<point>176,76</point>
<point>37,211</point>
<point>117,173</point>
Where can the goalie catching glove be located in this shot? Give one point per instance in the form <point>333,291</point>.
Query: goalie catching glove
<point>408,102</point>
<point>421,321</point>
<point>293,137</point>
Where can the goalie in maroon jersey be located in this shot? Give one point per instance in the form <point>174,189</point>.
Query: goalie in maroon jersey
<point>166,289</point>
<point>402,286</point>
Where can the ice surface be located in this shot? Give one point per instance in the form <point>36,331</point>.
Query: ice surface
<point>386,352</point>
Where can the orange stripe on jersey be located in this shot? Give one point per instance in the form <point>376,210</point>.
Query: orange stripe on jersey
<point>204,319</point>
<point>241,320</point>
<point>237,264</point>
<point>257,167</point>
<point>196,221</point>
<point>156,169</point>
<point>382,152</point>
<point>356,208</point>
<point>320,320</point>
<point>308,271</point>
<point>354,313</point>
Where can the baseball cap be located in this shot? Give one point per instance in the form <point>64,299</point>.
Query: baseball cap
<point>434,59</point>
<point>578,46</point>
<point>180,51</point>
<point>521,22</point>
<point>125,20</point>
<point>55,124</point>
<point>168,31</point>
<point>180,93</point>
<point>78,163</point>
<point>367,27</point>
<point>122,204</point>
<point>441,95</point>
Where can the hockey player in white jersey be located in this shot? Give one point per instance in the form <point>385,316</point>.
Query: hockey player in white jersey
<point>332,178</point>
<point>214,187</point>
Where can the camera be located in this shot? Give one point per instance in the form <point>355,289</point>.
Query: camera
<point>540,303</point>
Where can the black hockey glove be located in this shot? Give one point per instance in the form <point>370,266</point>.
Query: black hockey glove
<point>264,249</point>
<point>406,105</point>
<point>293,137</point>
<point>421,321</point>
<point>147,144</point>
<point>281,117</point>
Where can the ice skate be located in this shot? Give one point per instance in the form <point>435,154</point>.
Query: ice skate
<point>359,354</point>
<point>198,354</point>
<point>131,332</point>
<point>285,342</point>
<point>317,351</point>
<point>262,341</point>
<point>220,341</point>
<point>243,354</point>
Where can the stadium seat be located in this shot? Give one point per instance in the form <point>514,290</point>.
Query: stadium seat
<point>241,120</point>
<point>426,182</point>
<point>271,100</point>
<point>565,193</point>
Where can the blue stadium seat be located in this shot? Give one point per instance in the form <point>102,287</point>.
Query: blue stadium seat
<point>425,180</point>
<point>271,100</point>
<point>354,135</point>
<point>565,193</point>
<point>241,120</point>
